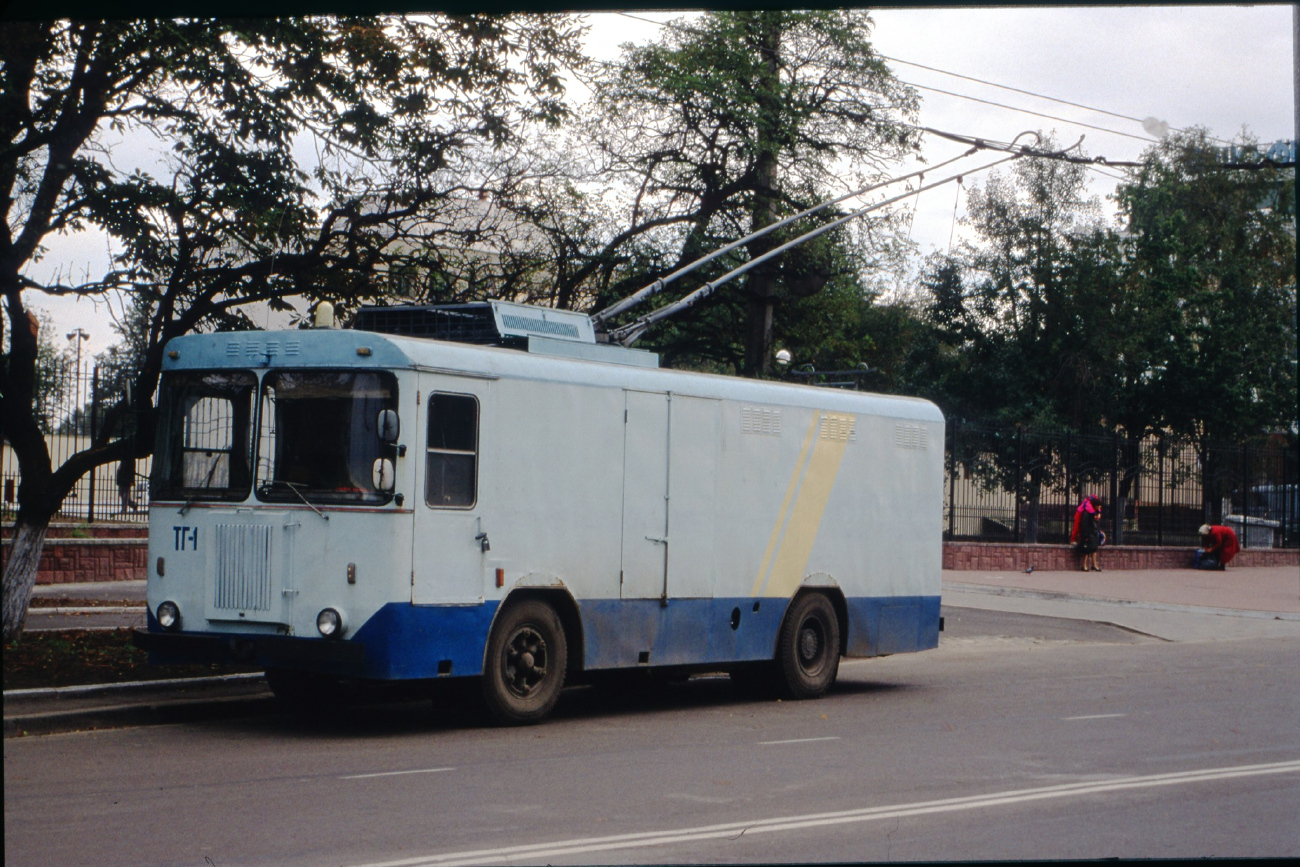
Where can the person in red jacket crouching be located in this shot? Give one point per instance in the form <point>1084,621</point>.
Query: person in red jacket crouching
<point>1218,547</point>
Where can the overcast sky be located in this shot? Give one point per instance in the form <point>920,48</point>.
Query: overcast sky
<point>1222,67</point>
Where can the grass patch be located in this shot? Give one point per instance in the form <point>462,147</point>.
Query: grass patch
<point>72,657</point>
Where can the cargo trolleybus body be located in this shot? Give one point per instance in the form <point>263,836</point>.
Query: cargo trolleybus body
<point>372,504</point>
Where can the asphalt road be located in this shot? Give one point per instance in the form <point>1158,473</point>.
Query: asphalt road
<point>1021,737</point>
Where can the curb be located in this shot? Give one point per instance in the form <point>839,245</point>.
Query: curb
<point>119,716</point>
<point>136,703</point>
<point>128,686</point>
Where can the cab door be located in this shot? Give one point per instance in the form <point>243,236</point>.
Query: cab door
<point>448,550</point>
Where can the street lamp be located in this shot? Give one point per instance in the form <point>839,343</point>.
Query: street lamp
<point>79,335</point>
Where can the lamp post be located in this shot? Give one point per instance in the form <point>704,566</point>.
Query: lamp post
<point>79,335</point>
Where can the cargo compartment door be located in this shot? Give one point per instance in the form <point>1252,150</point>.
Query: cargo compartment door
<point>695,444</point>
<point>645,495</point>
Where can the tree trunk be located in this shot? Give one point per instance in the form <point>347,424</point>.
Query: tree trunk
<point>761,285</point>
<point>20,575</point>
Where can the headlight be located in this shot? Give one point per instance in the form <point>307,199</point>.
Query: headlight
<point>330,623</point>
<point>169,616</point>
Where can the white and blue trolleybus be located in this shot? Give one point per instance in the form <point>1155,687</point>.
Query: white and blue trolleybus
<point>399,501</point>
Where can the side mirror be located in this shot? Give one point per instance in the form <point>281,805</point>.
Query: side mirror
<point>383,476</point>
<point>388,426</point>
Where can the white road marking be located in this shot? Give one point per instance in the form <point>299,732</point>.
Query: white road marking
<point>796,741</point>
<point>396,773</point>
<point>1094,716</point>
<point>544,851</point>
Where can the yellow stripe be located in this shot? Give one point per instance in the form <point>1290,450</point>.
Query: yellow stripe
<point>775,537</point>
<point>806,515</point>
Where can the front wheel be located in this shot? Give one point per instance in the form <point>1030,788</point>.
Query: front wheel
<point>808,654</point>
<point>526,662</point>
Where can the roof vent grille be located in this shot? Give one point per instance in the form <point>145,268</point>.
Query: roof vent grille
<point>491,323</point>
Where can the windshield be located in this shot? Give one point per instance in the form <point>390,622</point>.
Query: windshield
<point>205,436</point>
<point>318,439</point>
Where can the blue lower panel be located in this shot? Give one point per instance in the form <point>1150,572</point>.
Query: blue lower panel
<point>892,624</point>
<point>405,641</point>
<point>622,633</point>
<point>414,641</point>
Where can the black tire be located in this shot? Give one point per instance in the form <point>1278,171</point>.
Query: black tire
<point>526,660</point>
<point>808,653</point>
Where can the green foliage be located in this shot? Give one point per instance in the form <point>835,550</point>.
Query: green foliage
<point>1184,322</point>
<point>1031,303</point>
<point>1211,256</point>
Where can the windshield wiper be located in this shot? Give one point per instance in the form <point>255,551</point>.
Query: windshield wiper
<point>207,481</point>
<point>295,488</point>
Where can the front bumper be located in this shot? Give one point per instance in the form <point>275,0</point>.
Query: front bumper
<point>267,651</point>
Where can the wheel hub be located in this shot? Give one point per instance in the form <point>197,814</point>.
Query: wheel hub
<point>809,644</point>
<point>525,662</point>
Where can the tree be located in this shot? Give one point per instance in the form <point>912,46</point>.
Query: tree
<point>1034,314</point>
<point>722,127</point>
<point>1212,250</point>
<point>229,215</point>
<point>1034,301</point>
<point>1211,254</point>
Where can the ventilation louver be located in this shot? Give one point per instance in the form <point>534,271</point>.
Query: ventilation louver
<point>491,323</point>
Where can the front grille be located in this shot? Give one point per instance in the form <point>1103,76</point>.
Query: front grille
<point>243,570</point>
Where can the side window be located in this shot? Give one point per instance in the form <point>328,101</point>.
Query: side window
<point>451,467</point>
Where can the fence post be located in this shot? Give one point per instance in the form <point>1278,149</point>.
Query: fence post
<point>1020,463</point>
<point>1116,519</point>
<point>1160,489</point>
<point>952,482</point>
<point>94,429</point>
<point>1068,476</point>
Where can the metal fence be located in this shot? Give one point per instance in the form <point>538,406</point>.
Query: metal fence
<point>1003,484</point>
<point>71,401</point>
<point>1023,485</point>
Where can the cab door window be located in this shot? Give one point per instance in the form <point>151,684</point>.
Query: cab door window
<point>451,465</point>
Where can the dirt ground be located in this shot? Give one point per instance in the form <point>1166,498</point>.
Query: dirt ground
<point>73,657</point>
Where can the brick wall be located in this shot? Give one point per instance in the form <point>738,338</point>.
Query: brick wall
<point>1001,557</point>
<point>75,553</point>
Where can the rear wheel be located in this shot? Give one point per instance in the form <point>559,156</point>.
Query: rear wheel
<point>808,653</point>
<point>526,661</point>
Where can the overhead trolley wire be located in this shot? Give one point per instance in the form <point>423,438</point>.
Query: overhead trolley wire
<point>631,332</point>
<point>660,284</point>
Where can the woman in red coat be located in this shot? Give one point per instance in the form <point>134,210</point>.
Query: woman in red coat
<point>1218,547</point>
<point>1086,534</point>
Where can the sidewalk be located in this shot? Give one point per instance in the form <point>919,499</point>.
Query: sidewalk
<point>1173,604</point>
<point>86,606</point>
